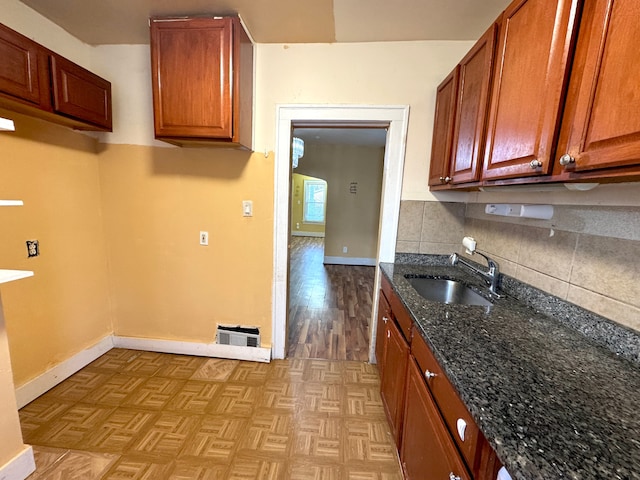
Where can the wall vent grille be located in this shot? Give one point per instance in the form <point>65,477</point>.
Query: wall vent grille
<point>238,335</point>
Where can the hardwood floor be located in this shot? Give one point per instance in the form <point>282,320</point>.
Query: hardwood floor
<point>329,305</point>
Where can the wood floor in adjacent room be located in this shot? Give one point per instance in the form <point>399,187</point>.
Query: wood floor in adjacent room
<point>329,305</point>
<point>150,416</point>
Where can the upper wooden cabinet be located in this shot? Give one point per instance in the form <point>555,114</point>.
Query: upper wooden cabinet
<point>601,126</point>
<point>202,72</point>
<point>23,69</point>
<point>528,89</point>
<point>38,82</point>
<point>471,113</point>
<point>78,93</point>
<point>443,124</point>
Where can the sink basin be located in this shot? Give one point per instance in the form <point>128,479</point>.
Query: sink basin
<point>447,291</point>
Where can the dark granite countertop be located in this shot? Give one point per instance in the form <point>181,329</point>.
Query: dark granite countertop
<point>552,402</point>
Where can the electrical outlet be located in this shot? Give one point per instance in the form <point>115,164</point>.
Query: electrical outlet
<point>33,248</point>
<point>345,249</point>
<point>204,238</point>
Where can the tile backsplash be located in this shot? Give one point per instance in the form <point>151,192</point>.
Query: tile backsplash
<point>587,255</point>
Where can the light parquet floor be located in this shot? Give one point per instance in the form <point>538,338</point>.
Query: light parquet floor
<point>329,305</point>
<point>149,416</point>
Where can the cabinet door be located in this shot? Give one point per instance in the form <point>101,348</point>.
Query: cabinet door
<point>80,94</point>
<point>443,124</point>
<point>384,316</point>
<point>192,77</point>
<point>23,69</point>
<point>603,106</point>
<point>427,451</point>
<point>528,87</point>
<point>471,113</point>
<point>393,381</point>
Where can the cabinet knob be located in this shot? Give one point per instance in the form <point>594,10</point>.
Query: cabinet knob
<point>429,374</point>
<point>445,179</point>
<point>385,319</point>
<point>566,159</point>
<point>461,426</point>
<point>535,164</point>
<point>453,476</point>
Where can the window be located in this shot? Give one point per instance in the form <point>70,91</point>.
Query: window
<point>315,201</point>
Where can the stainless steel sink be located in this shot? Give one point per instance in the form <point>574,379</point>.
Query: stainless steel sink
<point>447,291</point>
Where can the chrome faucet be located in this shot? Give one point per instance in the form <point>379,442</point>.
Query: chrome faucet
<point>491,277</point>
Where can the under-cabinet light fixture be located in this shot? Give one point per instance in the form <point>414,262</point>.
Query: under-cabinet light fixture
<point>7,125</point>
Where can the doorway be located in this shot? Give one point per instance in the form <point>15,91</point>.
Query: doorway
<point>336,191</point>
<point>396,118</point>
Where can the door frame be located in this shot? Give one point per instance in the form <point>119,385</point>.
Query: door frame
<point>397,118</point>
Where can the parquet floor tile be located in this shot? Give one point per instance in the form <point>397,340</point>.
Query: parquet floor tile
<point>215,369</point>
<point>322,398</point>
<point>180,366</point>
<point>319,438</point>
<point>118,431</point>
<point>193,397</point>
<point>127,468</point>
<point>166,436</point>
<point>255,468</point>
<point>216,439</point>
<point>216,419</point>
<point>115,390</point>
<point>186,471</point>
<point>301,470</point>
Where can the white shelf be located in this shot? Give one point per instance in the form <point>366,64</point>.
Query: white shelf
<point>11,275</point>
<point>11,203</point>
<point>7,125</point>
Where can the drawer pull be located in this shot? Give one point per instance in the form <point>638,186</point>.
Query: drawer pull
<point>452,476</point>
<point>429,374</point>
<point>461,425</point>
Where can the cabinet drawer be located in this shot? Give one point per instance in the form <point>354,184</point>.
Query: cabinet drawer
<point>450,405</point>
<point>399,311</point>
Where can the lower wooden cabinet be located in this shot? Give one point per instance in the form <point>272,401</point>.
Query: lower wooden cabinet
<point>423,408</point>
<point>392,386</point>
<point>427,450</point>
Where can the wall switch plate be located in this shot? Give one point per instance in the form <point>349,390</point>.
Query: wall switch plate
<point>33,248</point>
<point>247,208</point>
<point>204,238</point>
<point>345,249</point>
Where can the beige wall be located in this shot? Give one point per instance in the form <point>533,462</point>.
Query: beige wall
<point>392,73</point>
<point>163,284</point>
<point>352,218</point>
<point>65,307</point>
<point>587,255</point>
<point>298,226</point>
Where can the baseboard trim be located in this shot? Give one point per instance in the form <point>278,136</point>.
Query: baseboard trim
<point>31,390</point>
<point>20,466</point>
<point>297,233</point>
<point>234,352</point>
<point>367,262</point>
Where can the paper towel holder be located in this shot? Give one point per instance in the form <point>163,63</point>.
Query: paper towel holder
<point>543,212</point>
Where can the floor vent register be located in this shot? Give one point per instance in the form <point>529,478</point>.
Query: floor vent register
<point>242,336</point>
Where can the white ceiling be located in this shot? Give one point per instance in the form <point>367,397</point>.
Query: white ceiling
<point>281,21</point>
<point>369,137</point>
